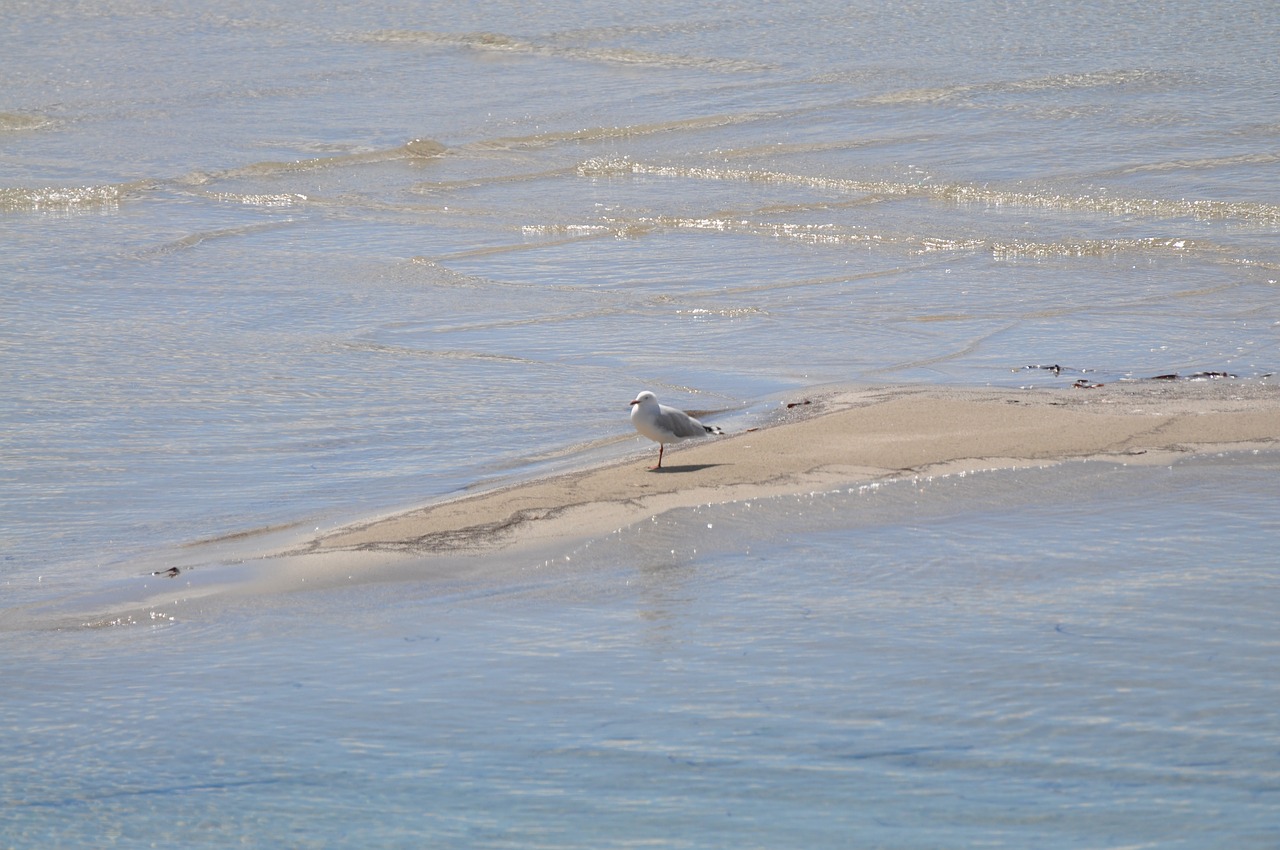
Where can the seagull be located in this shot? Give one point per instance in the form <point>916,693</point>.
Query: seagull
<point>664,424</point>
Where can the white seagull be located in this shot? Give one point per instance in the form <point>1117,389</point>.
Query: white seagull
<point>664,424</point>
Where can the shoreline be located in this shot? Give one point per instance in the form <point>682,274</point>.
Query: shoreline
<point>831,437</point>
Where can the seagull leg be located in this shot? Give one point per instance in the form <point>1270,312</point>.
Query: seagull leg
<point>661,448</point>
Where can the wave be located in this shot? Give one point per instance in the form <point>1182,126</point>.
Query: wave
<point>622,166</point>
<point>499,43</point>
<point>109,196</point>
<point>16,122</point>
<point>1027,249</point>
<point>279,199</point>
<point>871,192</point>
<point>70,198</point>
<point>1249,159</point>
<point>956,193</point>
<point>1147,80</point>
<point>413,149</point>
<point>435,354</point>
<point>195,239</point>
<point>600,133</point>
<point>832,234</point>
<point>1153,208</point>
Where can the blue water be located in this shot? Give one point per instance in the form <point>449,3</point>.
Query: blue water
<point>1038,658</point>
<point>301,265</point>
<point>276,265</point>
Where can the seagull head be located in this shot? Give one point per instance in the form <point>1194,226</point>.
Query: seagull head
<point>644,397</point>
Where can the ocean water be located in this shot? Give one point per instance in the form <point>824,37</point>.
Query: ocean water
<point>279,264</point>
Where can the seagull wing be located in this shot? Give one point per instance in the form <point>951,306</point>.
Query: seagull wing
<point>680,423</point>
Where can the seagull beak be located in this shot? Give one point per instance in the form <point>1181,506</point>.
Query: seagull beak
<point>637,401</point>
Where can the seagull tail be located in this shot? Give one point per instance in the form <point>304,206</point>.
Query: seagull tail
<point>714,429</point>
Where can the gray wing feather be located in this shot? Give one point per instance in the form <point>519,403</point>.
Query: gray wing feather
<point>680,423</point>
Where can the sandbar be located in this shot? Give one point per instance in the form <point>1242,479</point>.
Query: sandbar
<point>836,436</point>
<point>821,440</point>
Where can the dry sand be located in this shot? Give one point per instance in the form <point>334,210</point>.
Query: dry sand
<point>841,437</point>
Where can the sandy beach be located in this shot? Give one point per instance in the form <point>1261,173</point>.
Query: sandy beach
<point>836,437</point>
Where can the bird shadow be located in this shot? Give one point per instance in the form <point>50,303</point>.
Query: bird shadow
<point>688,467</point>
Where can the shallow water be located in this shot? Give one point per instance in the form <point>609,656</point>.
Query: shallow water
<point>299,265</point>
<point>274,265</point>
<point>1045,658</point>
